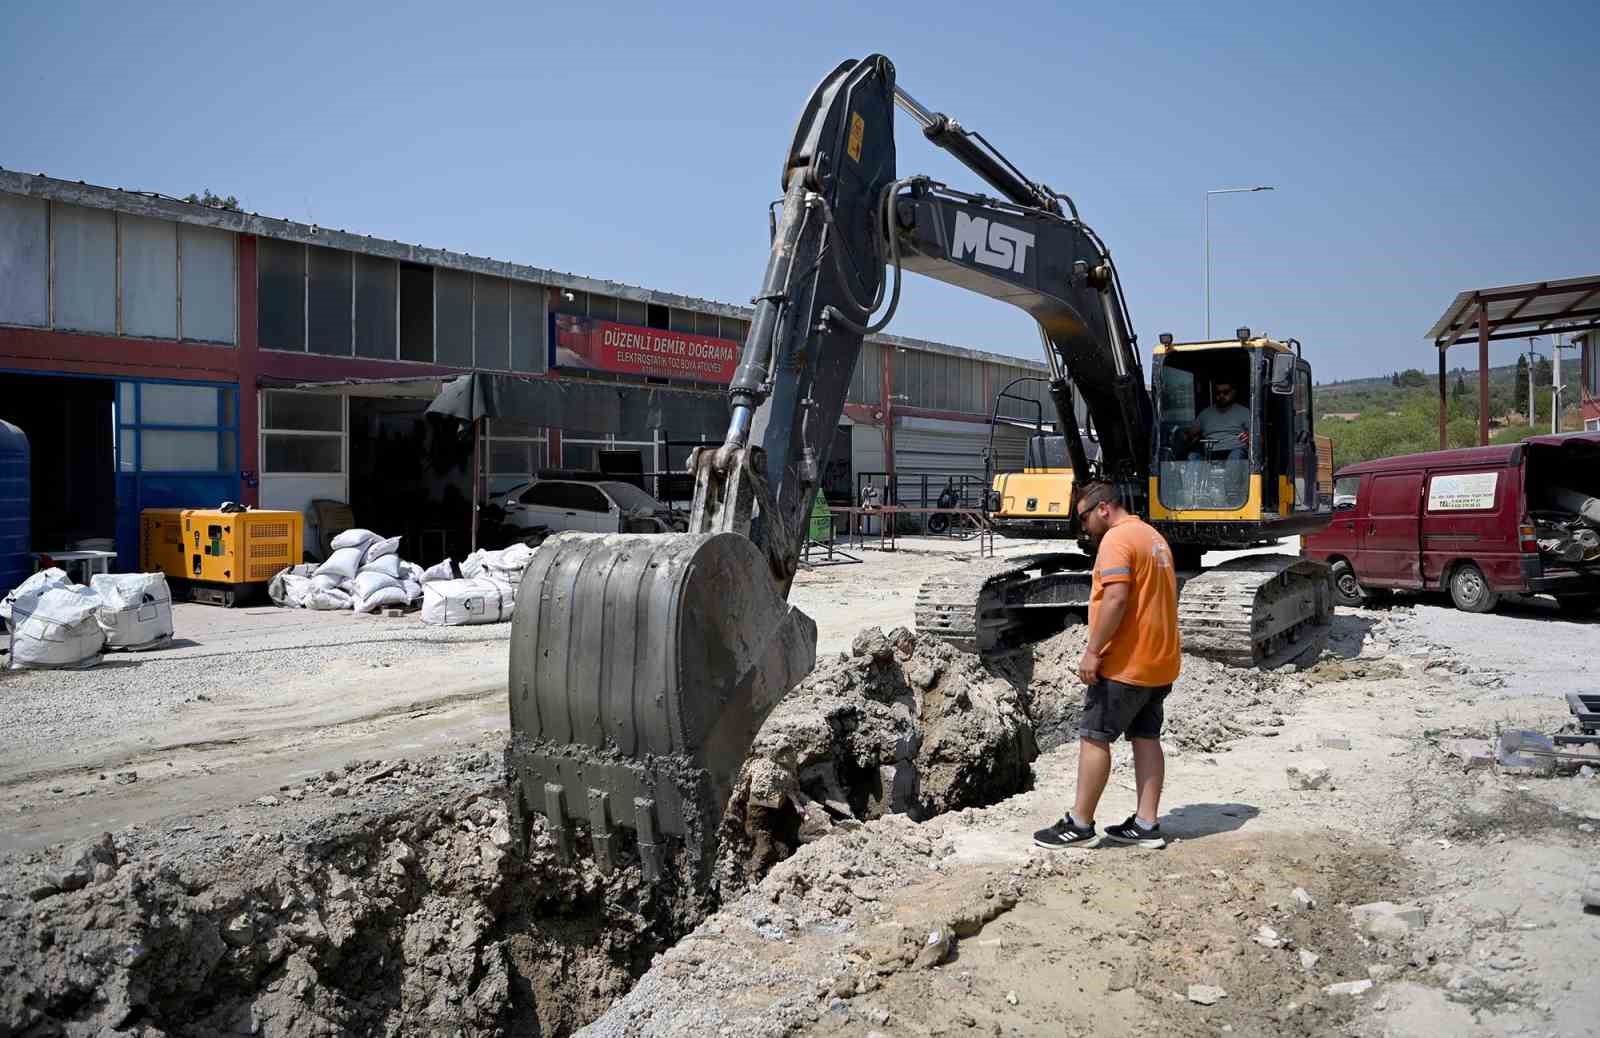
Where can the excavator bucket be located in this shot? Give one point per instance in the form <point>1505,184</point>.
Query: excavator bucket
<point>641,668</point>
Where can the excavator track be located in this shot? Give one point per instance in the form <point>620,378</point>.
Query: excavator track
<point>959,607</point>
<point>1261,611</point>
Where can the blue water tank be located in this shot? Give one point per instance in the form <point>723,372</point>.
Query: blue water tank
<point>15,504</point>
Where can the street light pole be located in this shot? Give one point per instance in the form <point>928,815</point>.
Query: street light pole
<point>1219,191</point>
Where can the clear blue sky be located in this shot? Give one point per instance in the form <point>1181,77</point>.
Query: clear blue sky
<point>1417,149</point>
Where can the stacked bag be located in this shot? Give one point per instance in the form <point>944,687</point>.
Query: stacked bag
<point>364,573</point>
<point>57,624</point>
<point>485,593</point>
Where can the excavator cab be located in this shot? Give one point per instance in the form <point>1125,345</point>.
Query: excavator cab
<point>1234,450</point>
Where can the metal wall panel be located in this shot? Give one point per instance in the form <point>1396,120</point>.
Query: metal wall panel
<point>281,294</point>
<point>866,384</point>
<point>530,329</point>
<point>603,308</point>
<point>24,261</point>
<point>149,270</point>
<point>207,266</point>
<point>680,320</point>
<point>491,304</point>
<point>632,311</point>
<point>329,324</point>
<point>85,258</point>
<point>452,317</point>
<point>377,282</point>
<point>707,324</point>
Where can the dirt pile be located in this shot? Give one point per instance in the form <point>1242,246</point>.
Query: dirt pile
<point>1210,704</point>
<point>901,725</point>
<point>420,919</point>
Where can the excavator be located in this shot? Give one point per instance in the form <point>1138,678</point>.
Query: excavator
<point>641,666</point>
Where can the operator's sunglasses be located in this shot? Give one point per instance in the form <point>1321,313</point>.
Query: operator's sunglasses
<point>1083,515</point>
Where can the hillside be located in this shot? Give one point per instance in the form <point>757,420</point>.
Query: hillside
<point>1393,419</point>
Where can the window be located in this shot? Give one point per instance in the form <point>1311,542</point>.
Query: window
<point>416,313</point>
<point>491,323</point>
<point>529,329</point>
<point>577,306</point>
<point>1344,492</point>
<point>658,316</point>
<point>1591,424</point>
<point>572,496</point>
<point>281,291</point>
<point>376,284</point>
<point>302,433</point>
<point>516,450</point>
<point>149,273</point>
<point>209,284</point>
<point>24,261</point>
<point>176,427</point>
<point>328,287</point>
<point>452,302</point>
<point>84,257</point>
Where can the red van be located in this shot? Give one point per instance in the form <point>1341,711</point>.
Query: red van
<point>1477,523</point>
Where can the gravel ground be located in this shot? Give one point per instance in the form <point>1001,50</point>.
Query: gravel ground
<point>216,654</point>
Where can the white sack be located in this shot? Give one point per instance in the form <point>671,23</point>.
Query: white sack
<point>367,583</point>
<point>279,586</point>
<point>327,598</point>
<point>382,547</point>
<point>342,564</point>
<point>453,602</point>
<point>324,582</point>
<point>356,538</point>
<point>40,581</point>
<point>55,628</point>
<point>384,596</point>
<point>439,571</point>
<point>295,590</point>
<point>135,609</point>
<point>410,571</point>
<point>389,565</point>
<point>413,590</point>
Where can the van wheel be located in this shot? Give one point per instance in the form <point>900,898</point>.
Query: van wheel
<point>1469,590</point>
<point>1346,588</point>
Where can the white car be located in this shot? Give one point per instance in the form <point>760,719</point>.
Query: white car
<point>556,505</point>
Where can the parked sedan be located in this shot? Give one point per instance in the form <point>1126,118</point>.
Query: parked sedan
<point>556,505</point>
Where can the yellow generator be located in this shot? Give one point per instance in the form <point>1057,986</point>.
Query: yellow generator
<point>219,557</point>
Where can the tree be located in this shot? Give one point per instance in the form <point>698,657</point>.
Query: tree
<point>214,201</point>
<point>1522,369</point>
<point>1542,375</point>
<point>1394,379</point>
<point>1411,378</point>
<point>1460,389</point>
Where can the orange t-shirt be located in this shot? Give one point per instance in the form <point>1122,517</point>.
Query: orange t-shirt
<point>1145,649</point>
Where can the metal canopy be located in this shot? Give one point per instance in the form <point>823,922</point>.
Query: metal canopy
<point>1485,315</point>
<point>1518,311</point>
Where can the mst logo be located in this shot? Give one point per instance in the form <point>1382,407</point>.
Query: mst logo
<point>992,244</point>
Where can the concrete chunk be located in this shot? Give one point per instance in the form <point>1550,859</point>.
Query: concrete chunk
<point>1349,987</point>
<point>1311,774</point>
<point>1387,920</point>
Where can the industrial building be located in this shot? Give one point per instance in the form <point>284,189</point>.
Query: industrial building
<point>160,353</point>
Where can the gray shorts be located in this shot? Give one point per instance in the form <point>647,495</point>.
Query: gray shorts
<point>1112,709</point>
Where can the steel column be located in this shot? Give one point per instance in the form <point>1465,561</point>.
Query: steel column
<point>1483,374</point>
<point>1443,403</point>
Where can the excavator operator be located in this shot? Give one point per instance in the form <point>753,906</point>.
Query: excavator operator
<point>1222,427</point>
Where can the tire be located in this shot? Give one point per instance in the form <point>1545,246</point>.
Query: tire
<point>938,523</point>
<point>1578,605</point>
<point>1346,588</point>
<point>1469,589</point>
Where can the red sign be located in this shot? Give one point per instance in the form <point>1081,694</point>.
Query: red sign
<point>583,342</point>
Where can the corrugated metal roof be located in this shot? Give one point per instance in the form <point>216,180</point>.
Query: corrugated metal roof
<point>164,207</point>
<point>1514,311</point>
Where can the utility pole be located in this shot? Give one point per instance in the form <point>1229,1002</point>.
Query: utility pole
<point>1533,360</point>
<point>1555,383</point>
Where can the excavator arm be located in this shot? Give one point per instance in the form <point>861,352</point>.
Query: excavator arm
<point>642,665</point>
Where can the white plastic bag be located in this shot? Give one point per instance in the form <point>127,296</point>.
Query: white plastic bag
<point>384,596</point>
<point>452,602</point>
<point>383,546</point>
<point>327,598</point>
<point>40,581</point>
<point>135,609</point>
<point>295,590</point>
<point>357,538</point>
<point>55,628</point>
<point>389,565</point>
<point>342,564</point>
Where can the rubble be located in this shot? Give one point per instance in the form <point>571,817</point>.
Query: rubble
<point>1206,994</point>
<point>902,725</point>
<point>1386,920</point>
<point>1310,774</point>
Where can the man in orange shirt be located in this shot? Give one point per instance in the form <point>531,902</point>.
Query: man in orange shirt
<point>1128,666</point>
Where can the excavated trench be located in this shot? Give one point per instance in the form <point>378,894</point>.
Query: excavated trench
<point>396,898</point>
